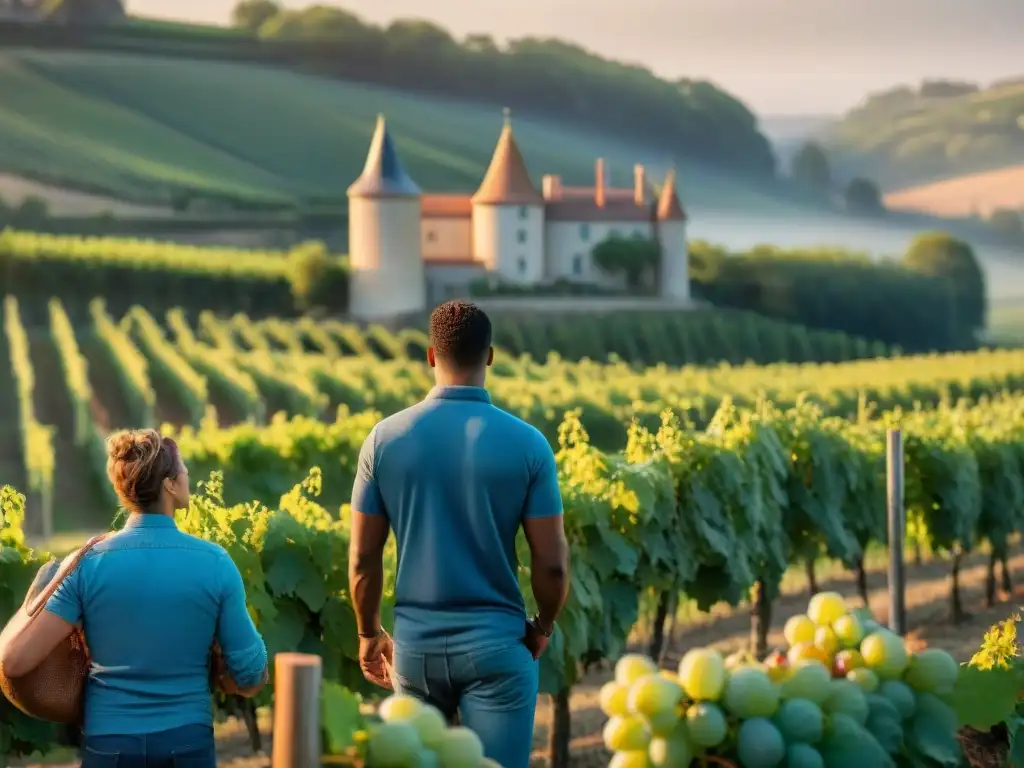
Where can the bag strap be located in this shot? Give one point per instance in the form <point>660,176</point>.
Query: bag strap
<point>66,570</point>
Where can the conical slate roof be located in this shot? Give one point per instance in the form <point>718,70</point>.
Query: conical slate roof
<point>669,207</point>
<point>507,181</point>
<point>383,174</point>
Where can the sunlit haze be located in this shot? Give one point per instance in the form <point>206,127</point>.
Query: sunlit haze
<point>780,56</point>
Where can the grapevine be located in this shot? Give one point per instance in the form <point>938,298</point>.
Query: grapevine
<point>131,365</point>
<point>169,364</point>
<point>36,439</point>
<point>670,485</point>
<point>218,367</point>
<point>87,434</point>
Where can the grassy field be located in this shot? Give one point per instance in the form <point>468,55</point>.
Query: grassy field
<point>69,202</point>
<point>140,127</point>
<point>971,194</point>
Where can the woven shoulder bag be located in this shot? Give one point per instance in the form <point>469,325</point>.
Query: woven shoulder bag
<point>55,689</point>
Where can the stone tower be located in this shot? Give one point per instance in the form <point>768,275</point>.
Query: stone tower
<point>387,274</point>
<point>675,268</point>
<point>508,216</point>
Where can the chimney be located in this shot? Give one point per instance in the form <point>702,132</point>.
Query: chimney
<point>639,185</point>
<point>599,182</point>
<point>552,187</point>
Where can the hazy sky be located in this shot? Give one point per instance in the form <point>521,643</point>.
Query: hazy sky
<point>780,56</point>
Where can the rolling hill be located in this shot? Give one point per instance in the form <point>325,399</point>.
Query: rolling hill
<point>905,136</point>
<point>151,129</point>
<point>973,194</point>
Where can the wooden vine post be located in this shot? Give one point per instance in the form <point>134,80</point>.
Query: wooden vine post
<point>897,524</point>
<point>297,679</point>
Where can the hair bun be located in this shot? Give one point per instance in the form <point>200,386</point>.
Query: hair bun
<point>138,460</point>
<point>137,445</point>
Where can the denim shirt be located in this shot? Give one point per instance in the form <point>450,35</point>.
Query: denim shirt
<point>151,601</point>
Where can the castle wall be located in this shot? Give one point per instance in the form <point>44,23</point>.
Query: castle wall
<point>675,267</point>
<point>387,276</point>
<point>590,305</point>
<point>568,245</point>
<point>510,241</point>
<point>444,239</point>
<point>451,281</point>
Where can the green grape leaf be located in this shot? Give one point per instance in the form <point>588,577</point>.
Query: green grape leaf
<point>982,698</point>
<point>554,665</point>
<point>340,717</point>
<point>1015,754</point>
<point>288,568</point>
<point>928,738</point>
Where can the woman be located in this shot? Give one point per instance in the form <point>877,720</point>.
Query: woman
<point>152,601</point>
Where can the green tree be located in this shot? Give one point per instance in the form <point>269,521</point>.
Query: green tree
<point>82,11</point>
<point>629,256</point>
<point>1008,223</point>
<point>942,255</point>
<point>317,278</point>
<point>946,89</point>
<point>811,169</point>
<point>317,22</point>
<point>863,196</point>
<point>250,15</point>
<point>543,76</point>
<point>31,213</point>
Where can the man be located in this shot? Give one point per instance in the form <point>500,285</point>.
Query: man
<point>456,478</point>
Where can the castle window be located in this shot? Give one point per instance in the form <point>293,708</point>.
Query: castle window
<point>577,264</point>
<point>584,232</point>
<point>522,265</point>
<point>521,236</point>
<point>524,212</point>
<point>431,236</point>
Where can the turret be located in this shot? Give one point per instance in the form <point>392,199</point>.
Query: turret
<point>508,216</point>
<point>387,274</point>
<point>675,277</point>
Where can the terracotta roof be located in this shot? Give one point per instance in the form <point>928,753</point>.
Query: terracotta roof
<point>507,181</point>
<point>585,209</point>
<point>610,193</point>
<point>669,207</point>
<point>383,174</point>
<point>447,206</point>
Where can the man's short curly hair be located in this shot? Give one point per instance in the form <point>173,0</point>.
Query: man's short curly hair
<point>460,333</point>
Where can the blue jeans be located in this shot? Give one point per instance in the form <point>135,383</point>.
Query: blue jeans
<point>494,692</point>
<point>191,746</point>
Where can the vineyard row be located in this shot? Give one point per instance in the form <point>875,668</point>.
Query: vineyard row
<point>252,369</point>
<point>712,514</point>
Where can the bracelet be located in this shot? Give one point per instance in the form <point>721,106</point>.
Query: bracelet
<point>539,628</point>
<point>371,635</point>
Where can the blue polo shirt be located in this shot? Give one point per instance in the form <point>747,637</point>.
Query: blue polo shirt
<point>151,601</point>
<point>456,476</point>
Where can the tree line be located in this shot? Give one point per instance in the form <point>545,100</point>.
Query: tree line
<point>909,134</point>
<point>812,173</point>
<point>542,76</point>
<point>932,299</point>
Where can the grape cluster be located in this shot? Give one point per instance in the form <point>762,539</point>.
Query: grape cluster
<point>847,693</point>
<point>415,735</point>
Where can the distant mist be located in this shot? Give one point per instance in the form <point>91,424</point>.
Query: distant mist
<point>788,132</point>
